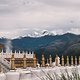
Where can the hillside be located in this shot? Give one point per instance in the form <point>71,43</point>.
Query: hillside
<point>67,44</point>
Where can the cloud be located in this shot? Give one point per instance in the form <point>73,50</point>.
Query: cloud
<point>20,17</point>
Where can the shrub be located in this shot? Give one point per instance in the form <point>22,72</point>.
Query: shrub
<point>66,75</point>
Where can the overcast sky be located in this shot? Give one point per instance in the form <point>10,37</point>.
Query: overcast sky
<point>20,17</point>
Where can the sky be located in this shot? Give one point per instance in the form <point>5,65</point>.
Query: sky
<point>23,17</point>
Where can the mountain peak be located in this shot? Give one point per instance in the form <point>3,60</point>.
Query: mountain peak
<point>69,34</point>
<point>40,33</point>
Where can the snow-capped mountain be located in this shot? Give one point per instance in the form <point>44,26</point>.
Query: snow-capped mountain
<point>40,33</point>
<point>66,44</point>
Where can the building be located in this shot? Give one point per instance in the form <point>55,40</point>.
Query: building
<point>19,59</point>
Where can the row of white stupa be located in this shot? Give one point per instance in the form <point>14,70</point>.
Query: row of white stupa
<point>17,54</point>
<point>20,55</point>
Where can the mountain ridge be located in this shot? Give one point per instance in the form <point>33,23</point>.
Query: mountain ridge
<point>48,44</point>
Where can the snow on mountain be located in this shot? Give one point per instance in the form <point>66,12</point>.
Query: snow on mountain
<point>32,33</point>
<point>40,33</point>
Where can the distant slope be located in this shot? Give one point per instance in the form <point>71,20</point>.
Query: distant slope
<point>48,44</point>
